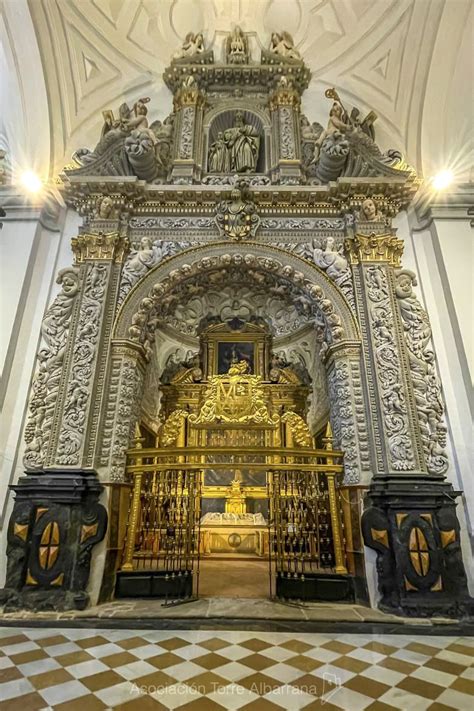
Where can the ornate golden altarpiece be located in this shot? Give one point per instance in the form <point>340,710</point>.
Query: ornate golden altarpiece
<point>233,433</point>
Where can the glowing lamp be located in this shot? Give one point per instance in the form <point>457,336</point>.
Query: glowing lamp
<point>442,179</point>
<point>31,182</point>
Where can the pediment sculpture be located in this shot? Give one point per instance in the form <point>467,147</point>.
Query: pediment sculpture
<point>248,114</point>
<point>282,49</point>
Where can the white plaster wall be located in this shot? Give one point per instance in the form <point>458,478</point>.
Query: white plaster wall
<point>32,254</point>
<point>440,253</point>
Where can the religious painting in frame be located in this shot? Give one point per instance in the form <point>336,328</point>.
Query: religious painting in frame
<point>230,352</point>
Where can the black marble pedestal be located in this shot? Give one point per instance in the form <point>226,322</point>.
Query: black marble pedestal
<point>56,521</point>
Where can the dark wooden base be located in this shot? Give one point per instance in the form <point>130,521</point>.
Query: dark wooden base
<point>319,587</point>
<point>154,584</point>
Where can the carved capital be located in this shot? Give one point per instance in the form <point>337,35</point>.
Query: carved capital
<point>375,248</point>
<point>110,246</point>
<point>188,96</point>
<point>285,97</point>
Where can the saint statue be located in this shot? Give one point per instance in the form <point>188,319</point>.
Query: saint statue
<point>236,149</point>
<point>243,143</point>
<point>219,156</point>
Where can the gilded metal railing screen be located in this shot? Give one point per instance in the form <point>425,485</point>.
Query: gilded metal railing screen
<point>305,523</point>
<point>163,531</point>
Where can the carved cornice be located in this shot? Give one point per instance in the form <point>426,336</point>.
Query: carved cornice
<point>102,246</point>
<point>375,248</point>
<point>249,77</point>
<point>140,198</point>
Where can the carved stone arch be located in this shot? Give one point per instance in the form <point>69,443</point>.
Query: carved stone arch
<point>313,282</point>
<point>253,114</point>
<point>133,332</point>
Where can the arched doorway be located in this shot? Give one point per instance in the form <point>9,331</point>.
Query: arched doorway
<point>174,304</point>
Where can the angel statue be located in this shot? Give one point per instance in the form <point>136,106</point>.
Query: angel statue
<point>335,123</point>
<point>192,45</point>
<point>282,44</point>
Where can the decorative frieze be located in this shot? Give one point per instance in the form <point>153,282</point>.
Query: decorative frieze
<point>303,223</point>
<point>191,222</point>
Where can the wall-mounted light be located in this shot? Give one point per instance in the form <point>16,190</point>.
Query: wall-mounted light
<point>442,179</point>
<point>31,182</point>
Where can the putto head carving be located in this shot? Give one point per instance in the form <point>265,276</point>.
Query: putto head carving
<point>69,280</point>
<point>369,212</point>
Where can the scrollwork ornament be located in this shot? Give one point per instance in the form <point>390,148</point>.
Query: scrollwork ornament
<point>126,415</point>
<point>426,386</point>
<point>342,418</point>
<point>389,372</point>
<point>45,388</point>
<point>82,369</point>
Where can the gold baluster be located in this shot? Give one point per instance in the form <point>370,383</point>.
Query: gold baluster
<point>134,514</point>
<point>333,507</point>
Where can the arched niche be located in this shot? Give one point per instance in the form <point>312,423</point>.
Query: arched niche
<point>221,119</point>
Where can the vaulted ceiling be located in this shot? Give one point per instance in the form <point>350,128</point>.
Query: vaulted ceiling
<point>67,60</point>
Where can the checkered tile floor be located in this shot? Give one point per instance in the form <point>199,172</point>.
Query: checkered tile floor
<point>214,670</point>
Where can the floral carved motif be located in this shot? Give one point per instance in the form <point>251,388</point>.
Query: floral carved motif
<point>187,128</point>
<point>287,133</point>
<point>342,418</point>
<point>83,359</point>
<point>45,389</point>
<point>427,389</point>
<point>389,370</point>
<point>126,416</point>
<point>145,256</point>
